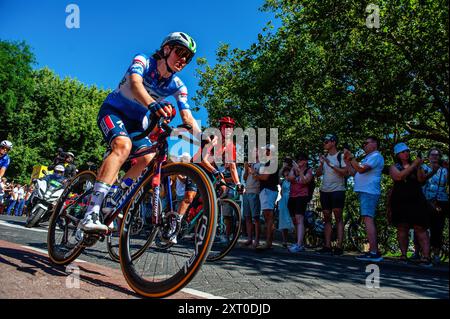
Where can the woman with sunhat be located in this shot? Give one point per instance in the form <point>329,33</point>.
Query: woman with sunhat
<point>408,203</point>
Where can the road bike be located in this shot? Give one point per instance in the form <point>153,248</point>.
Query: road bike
<point>148,269</point>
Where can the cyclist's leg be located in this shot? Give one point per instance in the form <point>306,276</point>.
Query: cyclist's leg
<point>116,135</point>
<point>141,162</point>
<point>189,196</point>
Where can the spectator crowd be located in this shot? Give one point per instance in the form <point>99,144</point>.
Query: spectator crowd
<point>416,203</point>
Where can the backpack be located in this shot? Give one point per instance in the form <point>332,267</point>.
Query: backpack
<point>339,158</point>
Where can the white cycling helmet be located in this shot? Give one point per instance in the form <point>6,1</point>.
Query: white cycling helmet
<point>180,38</point>
<point>59,168</point>
<point>6,144</point>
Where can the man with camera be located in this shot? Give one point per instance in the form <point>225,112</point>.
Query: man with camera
<point>367,179</point>
<point>332,192</point>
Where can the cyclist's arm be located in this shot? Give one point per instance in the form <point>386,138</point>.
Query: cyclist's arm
<point>2,171</point>
<point>234,173</point>
<point>187,118</point>
<point>138,89</point>
<point>207,164</point>
<point>181,96</point>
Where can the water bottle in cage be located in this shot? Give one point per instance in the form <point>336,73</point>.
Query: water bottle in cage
<point>113,196</point>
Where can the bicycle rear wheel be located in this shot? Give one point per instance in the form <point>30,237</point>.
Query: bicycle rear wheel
<point>155,271</point>
<point>228,229</point>
<point>63,247</point>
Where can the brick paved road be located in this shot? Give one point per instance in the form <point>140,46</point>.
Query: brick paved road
<point>247,274</point>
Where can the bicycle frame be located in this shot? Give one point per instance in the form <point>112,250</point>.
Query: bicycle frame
<point>154,167</point>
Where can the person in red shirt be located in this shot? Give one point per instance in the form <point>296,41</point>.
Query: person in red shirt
<point>227,150</point>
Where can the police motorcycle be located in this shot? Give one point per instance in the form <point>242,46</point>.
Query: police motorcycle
<point>45,195</point>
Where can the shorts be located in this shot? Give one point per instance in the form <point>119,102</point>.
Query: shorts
<point>268,198</point>
<point>331,200</point>
<point>297,205</point>
<point>113,124</point>
<point>368,203</point>
<point>251,206</point>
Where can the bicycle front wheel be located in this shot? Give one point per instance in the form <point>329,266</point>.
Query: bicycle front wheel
<point>157,270</point>
<point>62,244</point>
<point>228,229</point>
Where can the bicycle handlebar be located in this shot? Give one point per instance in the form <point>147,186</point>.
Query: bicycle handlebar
<point>155,121</point>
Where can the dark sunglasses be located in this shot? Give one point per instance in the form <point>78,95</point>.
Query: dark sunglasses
<point>435,154</point>
<point>405,151</point>
<point>182,52</point>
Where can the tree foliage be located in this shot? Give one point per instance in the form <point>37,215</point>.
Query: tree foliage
<point>41,112</point>
<point>325,71</point>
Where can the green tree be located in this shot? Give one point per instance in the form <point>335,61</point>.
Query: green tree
<point>41,112</point>
<point>324,71</point>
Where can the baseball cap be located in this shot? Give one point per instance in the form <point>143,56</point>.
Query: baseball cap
<point>330,137</point>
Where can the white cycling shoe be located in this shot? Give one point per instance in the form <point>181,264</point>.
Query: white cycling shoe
<point>91,223</point>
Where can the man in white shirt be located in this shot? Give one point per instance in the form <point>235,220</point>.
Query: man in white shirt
<point>20,201</point>
<point>13,199</point>
<point>368,186</point>
<point>332,192</point>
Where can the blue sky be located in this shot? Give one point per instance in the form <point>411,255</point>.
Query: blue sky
<point>111,32</point>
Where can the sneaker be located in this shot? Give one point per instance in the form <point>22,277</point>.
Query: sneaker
<point>92,223</point>
<point>173,230</point>
<point>436,260</point>
<point>369,256</point>
<point>425,262</point>
<point>403,259</point>
<point>415,257</point>
<point>338,251</point>
<point>173,239</point>
<point>296,248</point>
<point>325,250</point>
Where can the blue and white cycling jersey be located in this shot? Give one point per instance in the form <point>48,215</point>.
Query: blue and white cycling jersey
<point>122,97</point>
<point>4,161</point>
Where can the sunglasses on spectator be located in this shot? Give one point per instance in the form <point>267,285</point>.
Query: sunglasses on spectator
<point>227,126</point>
<point>405,151</point>
<point>182,52</point>
<point>435,154</point>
